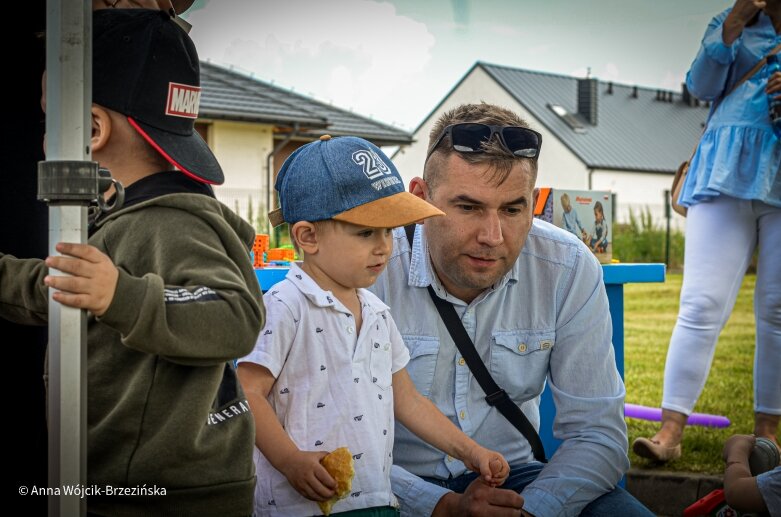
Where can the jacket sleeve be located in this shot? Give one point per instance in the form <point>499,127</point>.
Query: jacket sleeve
<point>589,397</point>
<point>707,78</point>
<point>23,296</point>
<point>185,291</point>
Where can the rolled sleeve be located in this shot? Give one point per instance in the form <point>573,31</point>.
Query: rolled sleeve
<point>416,496</point>
<point>707,77</point>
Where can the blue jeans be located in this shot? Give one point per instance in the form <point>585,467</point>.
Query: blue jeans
<point>616,502</point>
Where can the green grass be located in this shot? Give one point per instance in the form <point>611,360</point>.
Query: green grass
<point>650,311</point>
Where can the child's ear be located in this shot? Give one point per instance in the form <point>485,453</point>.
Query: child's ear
<point>305,235</point>
<point>101,128</point>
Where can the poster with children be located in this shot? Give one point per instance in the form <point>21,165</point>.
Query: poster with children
<point>587,214</point>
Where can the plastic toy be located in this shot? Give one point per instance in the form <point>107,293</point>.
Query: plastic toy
<point>259,250</point>
<point>655,415</point>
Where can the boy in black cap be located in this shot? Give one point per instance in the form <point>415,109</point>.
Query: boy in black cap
<point>168,284</point>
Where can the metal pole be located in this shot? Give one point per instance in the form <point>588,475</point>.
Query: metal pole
<point>68,103</point>
<point>667,216</point>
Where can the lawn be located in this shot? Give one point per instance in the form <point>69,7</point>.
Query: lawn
<point>649,316</point>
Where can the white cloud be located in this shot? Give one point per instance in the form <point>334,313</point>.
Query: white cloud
<point>356,53</point>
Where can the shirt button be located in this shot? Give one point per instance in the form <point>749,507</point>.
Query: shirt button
<point>349,330</point>
<point>522,347</point>
<point>461,362</point>
<point>448,458</point>
<point>386,347</point>
<point>462,414</point>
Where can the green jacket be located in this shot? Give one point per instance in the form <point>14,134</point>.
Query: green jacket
<point>165,407</point>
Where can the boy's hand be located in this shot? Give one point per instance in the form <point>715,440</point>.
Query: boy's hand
<point>93,281</point>
<point>491,465</point>
<point>309,477</point>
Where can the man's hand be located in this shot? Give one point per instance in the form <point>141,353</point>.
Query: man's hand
<point>480,499</point>
<point>309,477</point>
<point>93,281</point>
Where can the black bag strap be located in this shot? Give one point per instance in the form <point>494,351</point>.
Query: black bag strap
<point>495,396</point>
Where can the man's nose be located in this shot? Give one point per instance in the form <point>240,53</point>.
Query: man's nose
<point>491,230</point>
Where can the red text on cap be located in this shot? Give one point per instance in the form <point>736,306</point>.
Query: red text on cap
<point>183,100</point>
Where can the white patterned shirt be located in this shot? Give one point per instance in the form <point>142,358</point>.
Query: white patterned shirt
<point>333,389</point>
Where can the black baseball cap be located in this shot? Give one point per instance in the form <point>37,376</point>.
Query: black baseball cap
<point>146,67</point>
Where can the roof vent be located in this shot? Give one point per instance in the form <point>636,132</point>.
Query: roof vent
<point>634,92</point>
<point>570,119</point>
<point>587,100</point>
<point>610,88</point>
<point>688,98</point>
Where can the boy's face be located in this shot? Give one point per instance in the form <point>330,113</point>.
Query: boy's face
<point>565,204</point>
<point>352,256</point>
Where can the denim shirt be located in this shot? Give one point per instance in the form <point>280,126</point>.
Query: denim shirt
<point>547,318</point>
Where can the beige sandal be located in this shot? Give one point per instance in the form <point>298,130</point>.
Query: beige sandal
<point>646,448</point>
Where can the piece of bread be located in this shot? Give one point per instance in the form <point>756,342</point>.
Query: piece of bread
<point>339,464</point>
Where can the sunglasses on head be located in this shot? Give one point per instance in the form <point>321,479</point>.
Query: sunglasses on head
<point>468,137</point>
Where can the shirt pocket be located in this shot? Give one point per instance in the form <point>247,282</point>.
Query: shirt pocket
<point>381,364</point>
<point>520,361</point>
<point>422,361</point>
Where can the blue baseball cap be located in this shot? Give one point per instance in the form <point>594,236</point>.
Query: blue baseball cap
<point>348,179</point>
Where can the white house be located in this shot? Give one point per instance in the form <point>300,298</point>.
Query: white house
<point>595,134</point>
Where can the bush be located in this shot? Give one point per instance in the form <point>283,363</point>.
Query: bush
<point>641,240</point>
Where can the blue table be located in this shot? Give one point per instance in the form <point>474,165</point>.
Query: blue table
<point>615,276</point>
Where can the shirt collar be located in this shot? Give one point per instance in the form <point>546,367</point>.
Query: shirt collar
<point>322,298</point>
<point>421,271</point>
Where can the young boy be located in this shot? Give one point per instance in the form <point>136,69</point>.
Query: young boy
<point>167,281</point>
<point>328,369</point>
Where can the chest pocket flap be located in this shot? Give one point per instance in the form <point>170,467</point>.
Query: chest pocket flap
<point>520,361</point>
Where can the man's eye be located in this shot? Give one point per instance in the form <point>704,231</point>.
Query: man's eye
<point>366,233</point>
<point>513,210</point>
<point>466,208</point>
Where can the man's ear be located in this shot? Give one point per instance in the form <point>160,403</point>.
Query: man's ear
<point>101,128</point>
<point>535,196</point>
<point>418,187</point>
<point>305,235</point>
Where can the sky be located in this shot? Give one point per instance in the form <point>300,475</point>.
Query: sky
<point>396,60</point>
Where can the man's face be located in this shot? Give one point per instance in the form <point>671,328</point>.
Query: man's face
<point>481,236</point>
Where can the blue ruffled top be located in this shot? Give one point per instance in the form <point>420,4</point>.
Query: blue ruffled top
<point>739,155</point>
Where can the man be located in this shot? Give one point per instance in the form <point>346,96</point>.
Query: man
<point>532,300</point>
<point>168,285</point>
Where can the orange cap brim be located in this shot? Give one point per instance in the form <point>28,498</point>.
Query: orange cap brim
<point>390,212</point>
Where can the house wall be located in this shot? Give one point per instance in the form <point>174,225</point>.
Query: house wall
<point>558,166</point>
<point>637,191</point>
<point>242,148</point>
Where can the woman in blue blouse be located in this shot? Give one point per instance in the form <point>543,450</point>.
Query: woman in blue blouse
<point>733,195</point>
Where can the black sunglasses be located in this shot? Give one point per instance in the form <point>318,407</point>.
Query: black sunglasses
<point>468,137</point>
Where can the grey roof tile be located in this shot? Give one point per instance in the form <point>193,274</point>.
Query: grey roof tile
<point>228,94</point>
<point>642,134</point>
